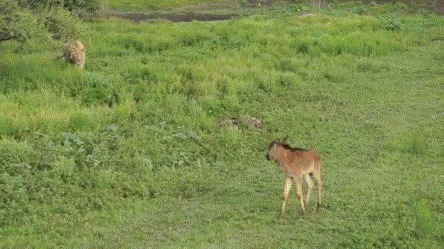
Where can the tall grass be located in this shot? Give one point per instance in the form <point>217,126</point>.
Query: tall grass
<point>130,152</point>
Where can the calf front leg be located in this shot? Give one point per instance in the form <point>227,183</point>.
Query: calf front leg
<point>287,188</point>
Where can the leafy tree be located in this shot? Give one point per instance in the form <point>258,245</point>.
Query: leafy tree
<point>82,8</point>
<point>19,23</point>
<point>23,20</point>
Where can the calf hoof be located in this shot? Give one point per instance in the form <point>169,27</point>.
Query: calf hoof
<point>319,206</point>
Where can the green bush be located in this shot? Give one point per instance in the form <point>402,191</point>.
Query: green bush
<point>84,121</point>
<point>393,24</point>
<point>92,88</point>
<point>78,7</point>
<point>43,20</point>
<point>6,129</point>
<point>15,157</point>
<point>20,24</point>
<point>62,25</point>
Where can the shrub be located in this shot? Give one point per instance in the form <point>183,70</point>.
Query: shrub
<point>93,88</point>
<point>61,24</point>
<point>15,157</point>
<point>393,24</point>
<point>5,127</point>
<point>42,20</point>
<point>360,10</point>
<point>78,7</point>
<point>83,121</point>
<point>20,24</point>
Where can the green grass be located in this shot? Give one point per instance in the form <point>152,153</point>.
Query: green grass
<point>129,152</point>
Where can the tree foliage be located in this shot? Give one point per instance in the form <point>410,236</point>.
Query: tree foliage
<point>81,8</point>
<point>18,23</point>
<point>46,20</point>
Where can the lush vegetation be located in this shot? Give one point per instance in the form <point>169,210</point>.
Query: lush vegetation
<point>130,153</point>
<point>43,21</point>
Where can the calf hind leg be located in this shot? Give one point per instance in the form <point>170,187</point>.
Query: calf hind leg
<point>310,187</point>
<point>318,183</point>
<point>300,196</point>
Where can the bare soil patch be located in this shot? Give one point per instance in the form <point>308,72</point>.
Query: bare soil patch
<point>202,12</point>
<point>174,17</point>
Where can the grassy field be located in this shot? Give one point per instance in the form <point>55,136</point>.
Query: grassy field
<point>129,152</point>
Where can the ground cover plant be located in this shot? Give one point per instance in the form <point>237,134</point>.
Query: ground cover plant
<point>130,152</point>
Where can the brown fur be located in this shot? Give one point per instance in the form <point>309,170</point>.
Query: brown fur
<point>298,165</point>
<point>75,53</point>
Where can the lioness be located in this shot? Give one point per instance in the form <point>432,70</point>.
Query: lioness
<point>75,53</point>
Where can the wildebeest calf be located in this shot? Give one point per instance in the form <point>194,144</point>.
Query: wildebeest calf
<point>298,165</point>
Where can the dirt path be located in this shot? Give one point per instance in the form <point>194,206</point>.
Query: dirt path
<point>174,17</point>
<point>206,12</point>
<point>221,12</point>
